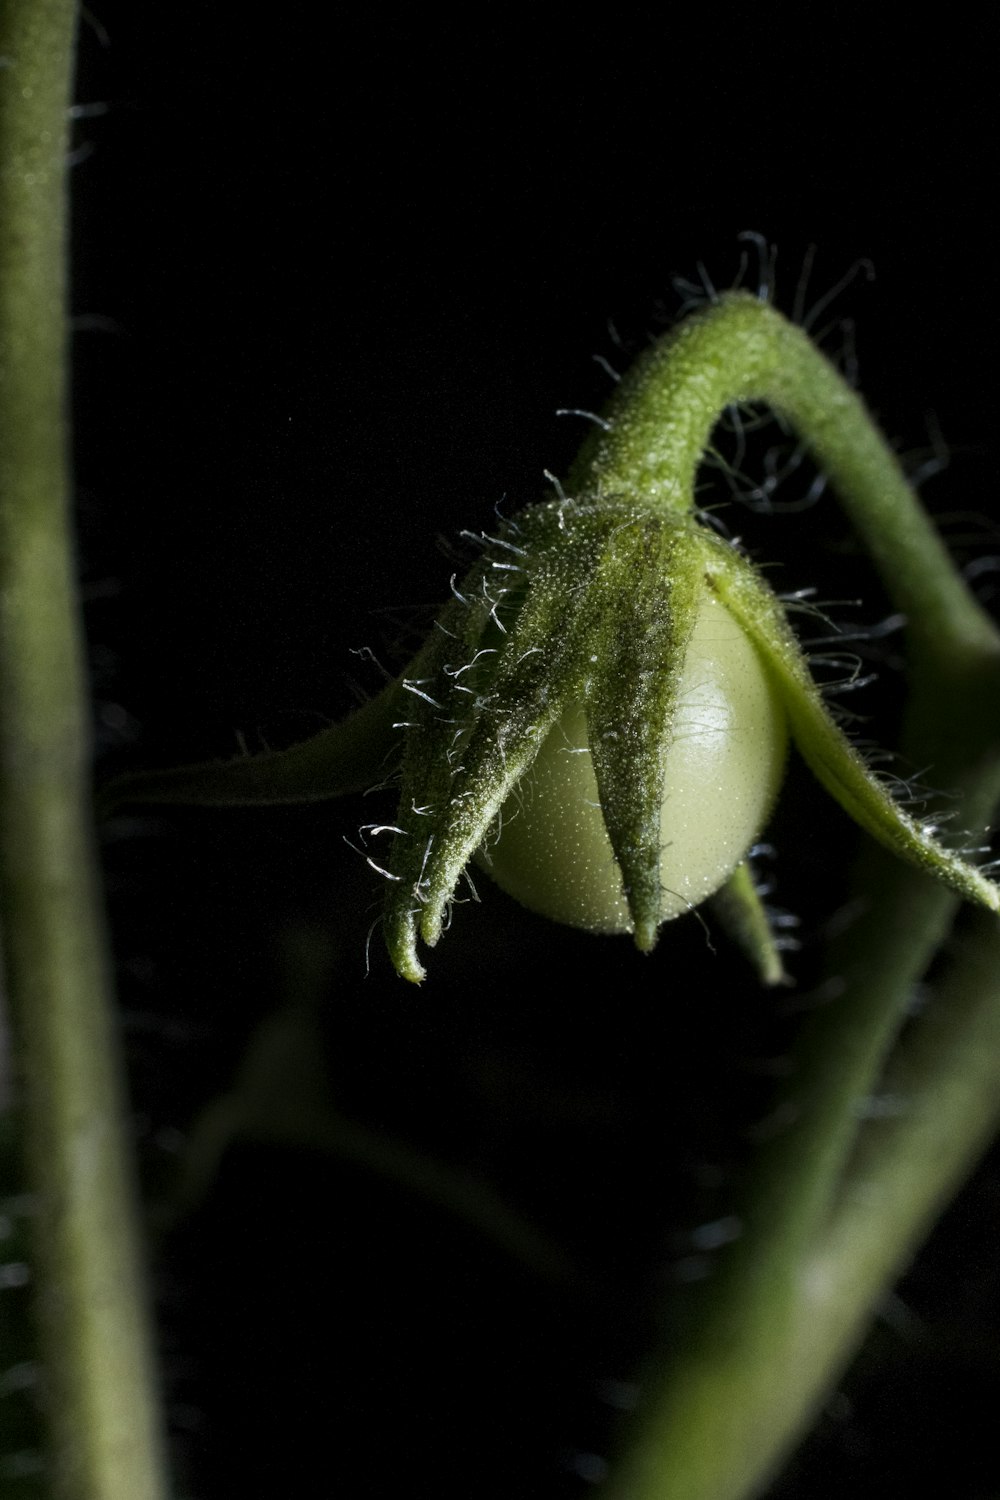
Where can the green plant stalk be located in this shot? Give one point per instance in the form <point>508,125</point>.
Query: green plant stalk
<point>93,1324</point>
<point>750,1374</point>
<point>755,1355</point>
<point>943,1076</point>
<point>741,351</point>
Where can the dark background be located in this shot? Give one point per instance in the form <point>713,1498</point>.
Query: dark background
<point>331,284</point>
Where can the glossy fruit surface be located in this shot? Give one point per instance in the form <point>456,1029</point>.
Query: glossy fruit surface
<point>722,769</point>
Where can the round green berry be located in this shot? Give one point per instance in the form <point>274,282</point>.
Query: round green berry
<point>723,761</point>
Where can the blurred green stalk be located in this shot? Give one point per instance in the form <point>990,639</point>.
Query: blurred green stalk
<point>93,1325</point>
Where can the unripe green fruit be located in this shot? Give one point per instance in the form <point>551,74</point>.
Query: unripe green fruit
<point>722,770</point>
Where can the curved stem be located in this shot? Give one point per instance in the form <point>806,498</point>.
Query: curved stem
<point>659,424</point>
<point>742,351</point>
<point>93,1327</point>
<point>788,1299</point>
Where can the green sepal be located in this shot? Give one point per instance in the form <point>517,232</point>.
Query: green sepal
<point>741,912</point>
<point>595,601</point>
<point>349,756</point>
<point>831,757</point>
<point>507,656</point>
<point>648,587</point>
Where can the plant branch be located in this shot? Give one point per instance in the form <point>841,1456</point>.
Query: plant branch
<point>787,1301</point>
<point>741,351</point>
<point>93,1327</point>
<point>754,1363</point>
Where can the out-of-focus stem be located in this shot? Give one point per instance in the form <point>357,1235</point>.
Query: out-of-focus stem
<point>93,1324</point>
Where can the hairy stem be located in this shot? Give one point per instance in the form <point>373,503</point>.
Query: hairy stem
<point>741,351</point>
<point>93,1327</point>
<point>788,1300</point>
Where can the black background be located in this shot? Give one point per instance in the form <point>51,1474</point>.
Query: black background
<point>331,283</point>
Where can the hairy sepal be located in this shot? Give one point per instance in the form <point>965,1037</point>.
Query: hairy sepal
<point>508,655</point>
<point>649,583</point>
<point>831,757</point>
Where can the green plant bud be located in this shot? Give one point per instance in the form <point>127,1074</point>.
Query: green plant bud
<point>600,716</point>
<point>600,721</point>
<point>589,603</point>
<point>723,758</point>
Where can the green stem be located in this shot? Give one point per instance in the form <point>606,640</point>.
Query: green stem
<point>741,351</point>
<point>942,1080</point>
<point>747,1381</point>
<point>93,1325</point>
<point>757,1350</point>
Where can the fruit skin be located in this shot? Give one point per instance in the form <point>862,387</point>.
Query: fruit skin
<point>723,766</point>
